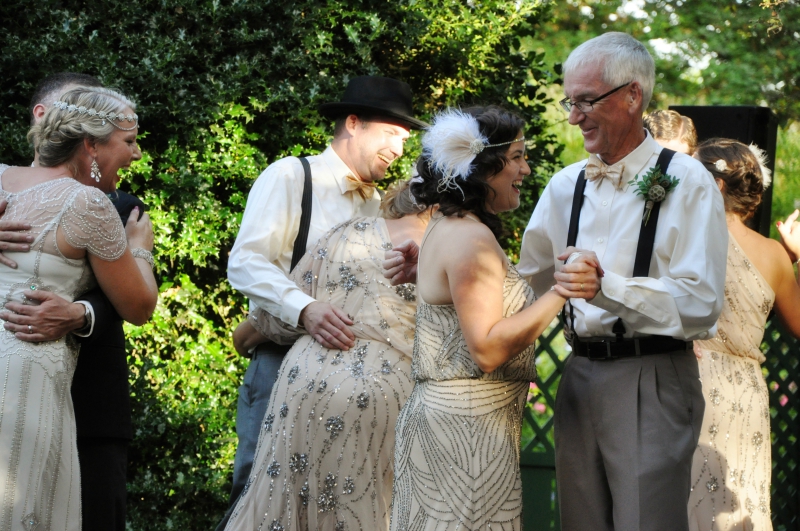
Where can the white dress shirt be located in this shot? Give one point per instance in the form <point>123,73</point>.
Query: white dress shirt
<point>261,257</point>
<point>683,295</point>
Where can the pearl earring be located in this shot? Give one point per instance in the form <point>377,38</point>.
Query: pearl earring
<point>95,171</point>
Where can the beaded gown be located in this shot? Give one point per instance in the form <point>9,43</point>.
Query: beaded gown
<point>324,455</point>
<point>457,437</point>
<point>39,474</point>
<point>732,464</point>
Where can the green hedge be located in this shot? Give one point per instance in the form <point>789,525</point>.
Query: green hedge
<point>225,87</point>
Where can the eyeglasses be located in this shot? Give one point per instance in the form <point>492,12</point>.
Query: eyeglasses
<point>586,106</point>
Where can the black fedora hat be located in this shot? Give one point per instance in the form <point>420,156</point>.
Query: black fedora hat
<point>381,96</point>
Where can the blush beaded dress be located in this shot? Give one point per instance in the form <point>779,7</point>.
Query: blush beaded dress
<point>324,459</point>
<point>457,437</point>
<point>39,474</point>
<point>732,466</point>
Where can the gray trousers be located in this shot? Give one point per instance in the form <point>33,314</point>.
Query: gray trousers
<point>625,434</point>
<point>254,395</point>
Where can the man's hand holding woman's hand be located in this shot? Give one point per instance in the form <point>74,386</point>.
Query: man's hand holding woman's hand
<point>579,278</point>
<point>400,263</point>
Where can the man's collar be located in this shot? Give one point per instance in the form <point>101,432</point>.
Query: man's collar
<point>338,168</point>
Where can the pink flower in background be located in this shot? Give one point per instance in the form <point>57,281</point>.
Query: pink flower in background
<point>539,408</point>
<point>783,399</point>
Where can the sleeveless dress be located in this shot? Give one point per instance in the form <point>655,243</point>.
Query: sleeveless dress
<point>39,474</point>
<point>324,455</point>
<point>732,464</point>
<point>457,437</point>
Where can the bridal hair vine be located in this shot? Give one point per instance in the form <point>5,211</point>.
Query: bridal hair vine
<point>451,144</point>
<point>761,157</point>
<point>110,116</point>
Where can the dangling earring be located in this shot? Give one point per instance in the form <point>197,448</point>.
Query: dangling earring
<point>95,171</point>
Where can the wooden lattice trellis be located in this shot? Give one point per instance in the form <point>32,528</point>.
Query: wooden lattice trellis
<point>782,371</point>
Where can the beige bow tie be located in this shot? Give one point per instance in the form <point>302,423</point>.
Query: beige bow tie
<point>364,189</point>
<point>596,170</point>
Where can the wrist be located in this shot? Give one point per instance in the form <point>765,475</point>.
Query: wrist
<point>77,313</point>
<point>86,320</point>
<point>145,255</point>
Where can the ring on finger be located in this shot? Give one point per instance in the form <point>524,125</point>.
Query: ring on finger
<point>581,286</point>
<point>30,329</point>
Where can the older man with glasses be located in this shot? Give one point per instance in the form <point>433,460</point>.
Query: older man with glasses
<point>629,406</point>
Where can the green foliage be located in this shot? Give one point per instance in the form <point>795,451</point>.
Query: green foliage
<point>707,52</point>
<point>225,87</point>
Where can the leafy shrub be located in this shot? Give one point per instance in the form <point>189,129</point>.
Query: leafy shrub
<point>225,87</point>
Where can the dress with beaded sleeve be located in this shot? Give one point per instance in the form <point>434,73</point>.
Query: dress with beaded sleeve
<point>325,452</point>
<point>457,438</point>
<point>39,473</point>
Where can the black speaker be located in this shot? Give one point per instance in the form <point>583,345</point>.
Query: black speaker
<point>747,124</point>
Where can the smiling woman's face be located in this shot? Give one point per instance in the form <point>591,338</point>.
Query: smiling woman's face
<point>506,183</point>
<point>120,150</point>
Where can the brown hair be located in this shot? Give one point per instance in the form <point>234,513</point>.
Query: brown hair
<point>498,126</point>
<point>737,167</point>
<point>669,125</point>
<point>399,202</point>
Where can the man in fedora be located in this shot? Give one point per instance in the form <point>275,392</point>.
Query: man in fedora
<point>372,122</point>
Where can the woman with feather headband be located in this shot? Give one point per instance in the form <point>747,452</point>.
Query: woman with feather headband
<point>457,437</point>
<point>732,464</point>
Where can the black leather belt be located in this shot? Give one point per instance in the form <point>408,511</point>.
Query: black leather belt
<point>611,348</point>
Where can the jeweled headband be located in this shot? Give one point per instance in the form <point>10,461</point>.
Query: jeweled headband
<point>110,116</point>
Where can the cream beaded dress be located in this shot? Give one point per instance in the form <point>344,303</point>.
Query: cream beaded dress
<point>458,436</point>
<point>732,464</point>
<point>39,475</point>
<point>324,455</point>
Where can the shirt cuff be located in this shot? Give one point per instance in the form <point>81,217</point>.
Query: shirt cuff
<point>293,305</point>
<point>82,332</point>
<point>611,294</point>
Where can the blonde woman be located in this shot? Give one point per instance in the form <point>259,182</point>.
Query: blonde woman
<point>79,240</point>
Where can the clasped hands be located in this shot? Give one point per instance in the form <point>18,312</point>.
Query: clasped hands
<point>579,278</point>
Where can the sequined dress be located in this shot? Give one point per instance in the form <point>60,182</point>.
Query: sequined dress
<point>39,474</point>
<point>324,456</point>
<point>732,464</point>
<point>457,440</point>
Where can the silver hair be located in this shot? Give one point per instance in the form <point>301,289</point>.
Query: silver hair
<point>623,58</point>
<point>60,132</point>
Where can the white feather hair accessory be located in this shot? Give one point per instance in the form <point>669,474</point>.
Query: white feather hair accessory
<point>761,157</point>
<point>451,144</point>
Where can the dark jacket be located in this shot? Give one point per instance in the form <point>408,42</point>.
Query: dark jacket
<point>100,389</point>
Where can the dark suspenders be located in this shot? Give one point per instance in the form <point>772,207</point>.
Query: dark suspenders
<point>647,236</point>
<point>301,241</point>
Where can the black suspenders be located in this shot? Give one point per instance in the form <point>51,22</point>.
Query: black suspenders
<point>301,241</point>
<point>647,236</point>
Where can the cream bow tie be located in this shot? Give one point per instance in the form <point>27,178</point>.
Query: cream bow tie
<point>364,189</point>
<point>596,170</point>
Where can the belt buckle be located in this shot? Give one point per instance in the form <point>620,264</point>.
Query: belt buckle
<point>607,355</point>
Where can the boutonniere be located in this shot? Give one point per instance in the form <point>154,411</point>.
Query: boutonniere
<point>653,187</point>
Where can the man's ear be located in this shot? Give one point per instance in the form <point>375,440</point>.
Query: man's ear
<point>634,96</point>
<point>38,112</point>
<point>351,123</point>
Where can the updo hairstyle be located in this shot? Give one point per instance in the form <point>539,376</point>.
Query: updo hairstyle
<point>399,202</point>
<point>739,169</point>
<point>671,125</point>
<point>497,125</point>
<point>61,132</point>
